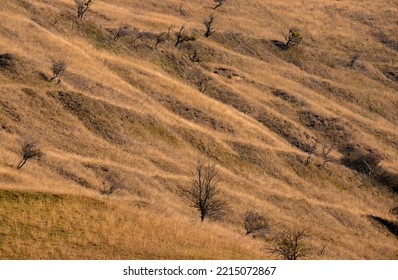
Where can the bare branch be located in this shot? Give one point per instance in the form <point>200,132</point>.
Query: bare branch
<point>82,6</point>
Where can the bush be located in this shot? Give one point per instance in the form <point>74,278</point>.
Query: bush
<point>58,68</point>
<point>219,3</point>
<point>82,6</point>
<point>294,38</point>
<point>289,245</point>
<point>253,222</point>
<point>28,151</point>
<point>181,37</point>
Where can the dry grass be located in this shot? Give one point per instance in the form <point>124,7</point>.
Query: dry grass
<point>122,129</point>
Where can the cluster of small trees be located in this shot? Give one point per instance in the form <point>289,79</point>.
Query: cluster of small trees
<point>204,195</point>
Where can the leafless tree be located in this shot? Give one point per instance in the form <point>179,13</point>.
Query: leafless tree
<point>58,68</point>
<point>181,37</point>
<point>203,194</point>
<point>123,30</point>
<point>326,149</point>
<point>311,152</point>
<point>353,60</point>
<point>219,3</point>
<point>209,25</point>
<point>253,221</point>
<point>289,245</point>
<point>82,6</point>
<point>28,151</point>
<point>162,37</point>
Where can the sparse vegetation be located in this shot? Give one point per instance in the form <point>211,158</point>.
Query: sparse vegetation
<point>294,38</point>
<point>123,30</point>
<point>254,222</point>
<point>209,25</point>
<point>203,194</point>
<point>366,162</point>
<point>58,68</point>
<point>181,37</point>
<point>29,150</point>
<point>290,245</point>
<point>82,7</point>
<point>133,111</point>
<point>394,211</point>
<point>353,60</point>
<point>219,3</point>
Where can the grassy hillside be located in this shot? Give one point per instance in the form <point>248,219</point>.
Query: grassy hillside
<point>123,128</point>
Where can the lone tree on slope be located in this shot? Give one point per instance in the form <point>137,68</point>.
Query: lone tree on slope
<point>203,194</point>
<point>82,6</point>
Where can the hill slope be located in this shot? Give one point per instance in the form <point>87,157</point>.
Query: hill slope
<point>123,128</point>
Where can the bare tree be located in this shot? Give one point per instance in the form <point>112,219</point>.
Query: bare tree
<point>82,6</point>
<point>123,30</point>
<point>353,60</point>
<point>181,37</point>
<point>289,245</point>
<point>203,194</point>
<point>28,151</point>
<point>311,152</point>
<point>219,3</point>
<point>209,25</point>
<point>253,221</point>
<point>326,149</point>
<point>162,37</point>
<point>58,68</point>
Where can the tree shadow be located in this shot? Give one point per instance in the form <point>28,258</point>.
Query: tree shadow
<point>391,226</point>
<point>44,77</point>
<point>279,44</point>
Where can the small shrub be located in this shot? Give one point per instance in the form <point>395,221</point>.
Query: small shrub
<point>394,211</point>
<point>162,37</point>
<point>82,7</point>
<point>58,68</point>
<point>289,245</point>
<point>294,38</point>
<point>253,221</point>
<point>123,30</point>
<point>181,37</point>
<point>365,162</point>
<point>28,151</point>
<point>219,3</point>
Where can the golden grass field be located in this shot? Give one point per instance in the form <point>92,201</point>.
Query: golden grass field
<point>136,116</point>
